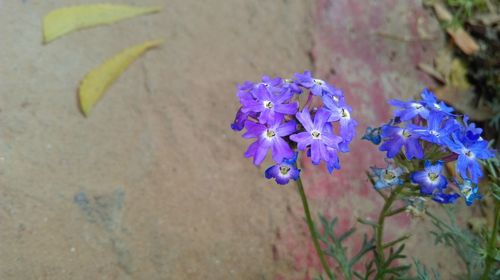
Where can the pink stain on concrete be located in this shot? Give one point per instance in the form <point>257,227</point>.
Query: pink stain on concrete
<point>370,49</point>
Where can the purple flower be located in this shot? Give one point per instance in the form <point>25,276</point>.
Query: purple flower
<point>284,171</point>
<point>430,179</point>
<point>431,102</point>
<point>270,106</point>
<point>239,120</point>
<point>409,109</point>
<point>342,113</point>
<point>468,154</point>
<point>396,137</point>
<point>333,162</point>
<point>290,86</point>
<point>269,136</point>
<point>387,177</point>
<point>317,135</point>
<point>316,86</point>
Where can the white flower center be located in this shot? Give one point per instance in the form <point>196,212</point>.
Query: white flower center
<point>318,82</point>
<point>268,104</point>
<point>416,106</point>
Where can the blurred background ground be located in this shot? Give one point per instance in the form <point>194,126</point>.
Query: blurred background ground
<point>153,185</point>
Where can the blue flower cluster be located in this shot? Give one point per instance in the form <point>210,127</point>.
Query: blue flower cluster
<point>270,112</point>
<point>428,130</point>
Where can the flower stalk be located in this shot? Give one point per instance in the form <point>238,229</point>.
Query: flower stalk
<point>379,229</point>
<point>312,230</point>
<point>492,242</point>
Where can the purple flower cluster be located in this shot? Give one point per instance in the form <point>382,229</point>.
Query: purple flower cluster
<point>271,114</point>
<point>427,130</point>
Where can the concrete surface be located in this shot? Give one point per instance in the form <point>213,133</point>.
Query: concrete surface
<point>153,185</point>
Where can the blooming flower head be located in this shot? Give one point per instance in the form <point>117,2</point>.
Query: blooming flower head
<point>438,128</point>
<point>431,102</point>
<point>316,135</point>
<point>409,109</point>
<point>269,136</point>
<point>269,105</point>
<point>341,112</point>
<point>270,113</point>
<point>387,177</point>
<point>469,191</point>
<point>316,86</point>
<point>468,154</point>
<point>285,171</point>
<point>430,179</point>
<point>396,137</point>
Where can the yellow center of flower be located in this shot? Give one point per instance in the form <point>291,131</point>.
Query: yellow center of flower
<point>345,113</point>
<point>433,176</point>
<point>318,82</point>
<point>389,175</point>
<point>284,169</point>
<point>315,134</point>
<point>270,133</point>
<point>406,133</point>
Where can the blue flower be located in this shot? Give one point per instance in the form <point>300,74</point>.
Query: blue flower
<point>468,154</point>
<point>445,198</point>
<point>387,177</point>
<point>435,131</point>
<point>470,191</point>
<point>472,132</point>
<point>430,179</point>
<point>409,109</point>
<point>372,135</point>
<point>431,102</point>
<point>284,171</point>
<point>396,137</point>
<point>317,135</point>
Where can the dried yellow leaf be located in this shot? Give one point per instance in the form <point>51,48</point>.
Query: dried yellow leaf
<point>65,20</point>
<point>99,79</point>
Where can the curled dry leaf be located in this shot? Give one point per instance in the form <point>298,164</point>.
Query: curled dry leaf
<point>99,79</point>
<point>461,38</point>
<point>65,20</point>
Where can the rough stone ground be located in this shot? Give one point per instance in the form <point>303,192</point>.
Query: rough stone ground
<point>153,184</point>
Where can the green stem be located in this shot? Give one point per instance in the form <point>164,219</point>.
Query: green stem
<point>490,258</point>
<point>379,231</point>
<point>314,235</point>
